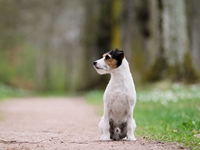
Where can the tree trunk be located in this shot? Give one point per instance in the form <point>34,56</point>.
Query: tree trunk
<point>174,32</point>
<point>194,28</point>
<point>169,51</point>
<point>157,63</point>
<point>116,8</point>
<point>127,23</point>
<point>175,41</point>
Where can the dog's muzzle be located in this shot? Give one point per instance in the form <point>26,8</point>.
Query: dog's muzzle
<point>95,65</point>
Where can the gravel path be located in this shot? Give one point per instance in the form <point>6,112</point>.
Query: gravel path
<point>59,124</point>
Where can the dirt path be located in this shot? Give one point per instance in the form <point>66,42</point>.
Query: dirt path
<point>58,124</point>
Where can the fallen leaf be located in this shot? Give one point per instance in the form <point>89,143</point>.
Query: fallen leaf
<point>194,131</point>
<point>175,131</point>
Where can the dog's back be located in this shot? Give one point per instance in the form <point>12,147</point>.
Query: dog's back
<point>120,94</point>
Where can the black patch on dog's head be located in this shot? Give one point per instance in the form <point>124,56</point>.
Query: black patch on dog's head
<point>118,55</point>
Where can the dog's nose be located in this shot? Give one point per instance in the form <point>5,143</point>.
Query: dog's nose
<point>94,63</point>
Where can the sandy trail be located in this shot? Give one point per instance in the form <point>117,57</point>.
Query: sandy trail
<point>59,124</point>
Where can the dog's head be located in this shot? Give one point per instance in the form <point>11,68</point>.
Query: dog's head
<point>117,132</point>
<point>111,60</point>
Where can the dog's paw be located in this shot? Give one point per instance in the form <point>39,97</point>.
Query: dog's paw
<point>131,138</point>
<point>105,138</point>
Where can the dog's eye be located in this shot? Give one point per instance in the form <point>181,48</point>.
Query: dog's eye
<point>107,57</point>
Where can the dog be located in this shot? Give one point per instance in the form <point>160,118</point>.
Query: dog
<point>119,97</point>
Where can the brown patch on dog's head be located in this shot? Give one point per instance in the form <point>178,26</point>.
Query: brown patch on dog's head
<point>112,63</point>
<point>114,58</point>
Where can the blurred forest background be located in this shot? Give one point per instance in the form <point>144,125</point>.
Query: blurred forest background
<point>49,45</point>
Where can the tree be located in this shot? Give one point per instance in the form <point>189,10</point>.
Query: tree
<point>194,30</point>
<point>176,42</point>
<point>173,57</point>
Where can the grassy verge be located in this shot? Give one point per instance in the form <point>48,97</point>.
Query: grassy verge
<point>8,92</point>
<point>165,113</point>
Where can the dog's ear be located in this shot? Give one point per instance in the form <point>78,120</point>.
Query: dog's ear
<point>119,53</point>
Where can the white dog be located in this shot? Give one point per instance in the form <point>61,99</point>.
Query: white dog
<point>119,97</point>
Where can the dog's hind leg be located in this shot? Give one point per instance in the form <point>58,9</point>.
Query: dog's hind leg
<point>131,125</point>
<point>104,127</point>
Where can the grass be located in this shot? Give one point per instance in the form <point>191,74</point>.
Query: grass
<point>8,92</point>
<point>169,113</point>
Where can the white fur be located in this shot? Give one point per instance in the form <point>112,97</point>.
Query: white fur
<point>119,98</point>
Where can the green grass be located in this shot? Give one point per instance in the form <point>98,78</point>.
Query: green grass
<point>165,113</point>
<point>8,92</point>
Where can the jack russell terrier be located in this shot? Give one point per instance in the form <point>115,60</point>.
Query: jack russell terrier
<point>119,97</point>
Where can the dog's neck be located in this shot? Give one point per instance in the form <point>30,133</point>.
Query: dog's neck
<point>121,74</point>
